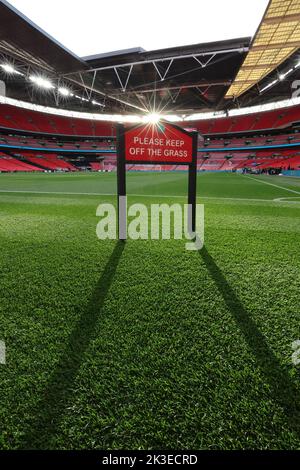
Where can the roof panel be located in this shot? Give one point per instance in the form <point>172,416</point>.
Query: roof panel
<point>277,38</point>
<point>22,34</point>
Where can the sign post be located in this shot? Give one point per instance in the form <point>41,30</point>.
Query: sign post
<point>162,143</point>
<point>121,184</point>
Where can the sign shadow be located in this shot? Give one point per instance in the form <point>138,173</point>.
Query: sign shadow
<point>58,391</point>
<point>283,389</point>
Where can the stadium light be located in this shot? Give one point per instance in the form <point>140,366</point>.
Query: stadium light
<point>8,68</point>
<point>41,82</point>
<point>98,104</point>
<point>64,91</point>
<point>268,86</point>
<point>285,74</point>
<point>81,98</point>
<point>152,118</point>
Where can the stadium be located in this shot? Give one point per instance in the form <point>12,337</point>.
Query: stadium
<point>143,345</point>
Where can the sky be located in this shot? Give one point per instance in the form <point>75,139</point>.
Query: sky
<point>88,27</point>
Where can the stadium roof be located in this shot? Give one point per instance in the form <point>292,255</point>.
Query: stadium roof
<point>183,78</point>
<point>24,40</point>
<point>277,38</point>
<point>180,80</point>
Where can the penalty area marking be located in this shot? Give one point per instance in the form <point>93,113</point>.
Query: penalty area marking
<point>2,353</point>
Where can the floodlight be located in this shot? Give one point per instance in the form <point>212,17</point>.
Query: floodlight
<point>152,118</point>
<point>64,91</point>
<point>8,68</point>
<point>268,86</point>
<point>41,82</point>
<point>285,74</point>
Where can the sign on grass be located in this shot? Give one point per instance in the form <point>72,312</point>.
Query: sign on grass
<point>160,143</point>
<point>156,143</point>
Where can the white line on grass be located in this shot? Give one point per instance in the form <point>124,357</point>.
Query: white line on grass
<point>287,199</point>
<point>63,193</point>
<point>54,192</point>
<point>272,184</point>
<point>233,198</point>
<point>2,353</point>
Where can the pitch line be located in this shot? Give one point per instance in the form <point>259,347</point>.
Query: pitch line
<point>287,199</point>
<point>272,184</point>
<point>64,193</point>
<point>2,353</point>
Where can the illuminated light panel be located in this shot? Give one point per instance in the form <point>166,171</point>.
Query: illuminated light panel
<point>152,118</point>
<point>41,82</point>
<point>269,86</point>
<point>64,91</point>
<point>8,68</point>
<point>277,38</point>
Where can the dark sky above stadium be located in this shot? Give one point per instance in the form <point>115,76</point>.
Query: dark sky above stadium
<point>96,26</point>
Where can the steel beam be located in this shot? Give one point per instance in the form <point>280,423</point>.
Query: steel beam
<point>179,57</point>
<point>107,96</point>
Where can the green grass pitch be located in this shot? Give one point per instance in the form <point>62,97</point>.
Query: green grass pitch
<point>147,345</point>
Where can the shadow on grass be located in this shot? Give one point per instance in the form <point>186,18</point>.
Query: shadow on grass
<point>283,389</point>
<point>59,388</point>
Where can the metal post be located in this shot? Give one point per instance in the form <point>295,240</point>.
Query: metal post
<point>121,183</point>
<point>192,186</point>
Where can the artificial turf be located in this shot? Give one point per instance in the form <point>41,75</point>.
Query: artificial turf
<point>147,345</point>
